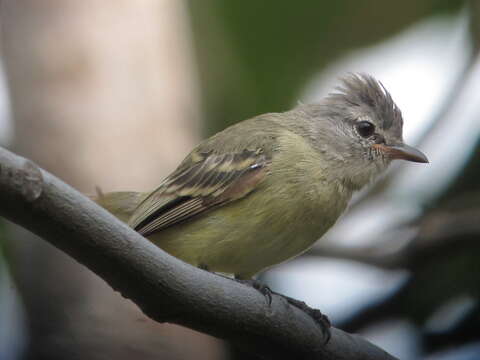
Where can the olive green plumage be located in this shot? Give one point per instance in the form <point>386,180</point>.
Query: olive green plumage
<point>264,190</point>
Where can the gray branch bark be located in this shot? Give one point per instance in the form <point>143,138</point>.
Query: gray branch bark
<point>165,288</point>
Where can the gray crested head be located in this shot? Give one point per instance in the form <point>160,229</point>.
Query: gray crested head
<point>369,94</point>
<point>358,129</point>
<point>362,97</point>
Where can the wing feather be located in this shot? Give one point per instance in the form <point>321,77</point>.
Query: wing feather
<point>176,215</point>
<point>208,182</point>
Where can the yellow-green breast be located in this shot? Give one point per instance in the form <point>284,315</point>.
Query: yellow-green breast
<point>292,208</point>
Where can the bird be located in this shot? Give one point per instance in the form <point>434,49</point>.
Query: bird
<point>264,190</point>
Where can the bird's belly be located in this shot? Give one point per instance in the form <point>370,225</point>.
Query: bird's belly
<point>244,239</point>
<point>247,256</point>
<point>243,251</point>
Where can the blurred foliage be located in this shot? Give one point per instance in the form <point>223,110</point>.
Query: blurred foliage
<point>256,56</point>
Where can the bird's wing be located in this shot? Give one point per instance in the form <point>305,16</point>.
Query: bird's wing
<point>202,182</point>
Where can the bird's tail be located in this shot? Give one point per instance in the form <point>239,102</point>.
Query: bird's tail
<point>121,204</point>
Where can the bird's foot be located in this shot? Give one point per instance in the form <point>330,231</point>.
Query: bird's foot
<point>322,320</point>
<point>262,288</point>
<point>257,285</point>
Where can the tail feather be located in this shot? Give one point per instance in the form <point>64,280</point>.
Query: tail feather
<point>121,204</point>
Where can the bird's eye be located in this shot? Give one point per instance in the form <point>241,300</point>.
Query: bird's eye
<point>365,128</point>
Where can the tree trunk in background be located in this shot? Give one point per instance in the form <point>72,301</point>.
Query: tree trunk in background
<point>103,94</point>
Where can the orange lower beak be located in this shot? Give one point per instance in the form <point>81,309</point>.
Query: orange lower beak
<point>402,151</point>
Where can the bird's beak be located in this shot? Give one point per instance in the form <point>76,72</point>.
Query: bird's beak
<point>402,151</point>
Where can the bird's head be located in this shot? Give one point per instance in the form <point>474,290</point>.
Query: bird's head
<point>359,128</point>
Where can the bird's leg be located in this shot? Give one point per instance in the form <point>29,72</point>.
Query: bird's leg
<point>322,320</point>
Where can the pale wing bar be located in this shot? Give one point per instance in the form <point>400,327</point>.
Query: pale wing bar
<point>208,183</point>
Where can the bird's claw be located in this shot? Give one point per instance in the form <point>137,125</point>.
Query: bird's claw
<point>260,287</point>
<point>322,320</point>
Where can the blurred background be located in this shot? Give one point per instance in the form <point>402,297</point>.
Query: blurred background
<point>115,93</point>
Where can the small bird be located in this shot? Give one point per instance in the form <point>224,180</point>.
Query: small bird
<point>266,189</point>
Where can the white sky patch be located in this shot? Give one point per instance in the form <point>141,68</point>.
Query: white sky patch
<point>337,288</point>
<point>448,147</point>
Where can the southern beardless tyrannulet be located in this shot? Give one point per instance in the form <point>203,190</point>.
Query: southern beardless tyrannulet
<point>264,190</point>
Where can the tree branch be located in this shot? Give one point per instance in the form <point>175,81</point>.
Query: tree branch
<point>165,288</point>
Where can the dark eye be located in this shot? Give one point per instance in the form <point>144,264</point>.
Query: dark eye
<point>365,128</point>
